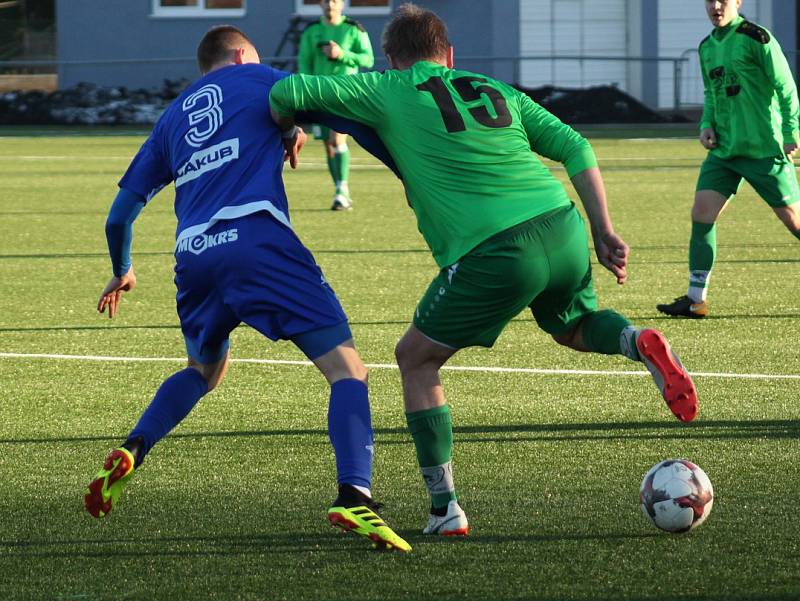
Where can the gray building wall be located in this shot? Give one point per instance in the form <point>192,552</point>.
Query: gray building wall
<point>119,42</point>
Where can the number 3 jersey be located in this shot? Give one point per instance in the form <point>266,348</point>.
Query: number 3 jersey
<point>219,145</point>
<point>461,141</point>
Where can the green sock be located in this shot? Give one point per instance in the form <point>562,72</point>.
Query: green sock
<point>702,252</point>
<point>341,165</point>
<point>332,169</point>
<point>344,165</point>
<point>601,331</point>
<point>432,431</point>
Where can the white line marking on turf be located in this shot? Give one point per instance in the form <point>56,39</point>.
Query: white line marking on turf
<point>519,370</point>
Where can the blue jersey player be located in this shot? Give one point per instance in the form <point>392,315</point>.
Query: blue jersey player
<point>237,260</point>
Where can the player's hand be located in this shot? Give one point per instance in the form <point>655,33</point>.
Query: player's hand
<point>708,138</point>
<point>111,296</point>
<point>292,146</point>
<point>612,252</point>
<point>332,50</point>
<point>790,149</point>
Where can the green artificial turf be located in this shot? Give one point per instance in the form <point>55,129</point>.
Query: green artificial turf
<point>232,504</point>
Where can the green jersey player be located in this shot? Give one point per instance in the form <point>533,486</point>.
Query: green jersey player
<point>501,228</point>
<point>335,45</point>
<point>749,126</point>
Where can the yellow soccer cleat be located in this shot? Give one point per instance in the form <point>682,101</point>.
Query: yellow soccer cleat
<point>104,491</point>
<point>358,515</point>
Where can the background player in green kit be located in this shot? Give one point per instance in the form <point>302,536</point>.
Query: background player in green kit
<point>749,127</point>
<point>501,227</point>
<point>335,45</point>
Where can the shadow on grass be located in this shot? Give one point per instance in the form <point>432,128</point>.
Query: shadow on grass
<point>165,253</point>
<point>247,544</point>
<point>207,546</point>
<point>112,326</point>
<point>700,430</point>
<point>392,322</point>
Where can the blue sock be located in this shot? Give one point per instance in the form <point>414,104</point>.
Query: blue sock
<point>174,400</point>
<point>350,431</point>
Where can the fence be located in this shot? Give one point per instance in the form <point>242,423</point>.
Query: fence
<point>679,82</point>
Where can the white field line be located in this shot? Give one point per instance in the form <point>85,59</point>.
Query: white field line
<point>111,157</point>
<point>353,160</point>
<point>519,370</point>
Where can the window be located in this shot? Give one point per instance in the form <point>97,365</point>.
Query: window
<point>351,7</point>
<point>198,8</point>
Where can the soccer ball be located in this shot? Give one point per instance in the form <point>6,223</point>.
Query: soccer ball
<point>676,495</point>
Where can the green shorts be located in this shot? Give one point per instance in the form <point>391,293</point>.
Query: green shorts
<point>542,263</point>
<point>775,179</point>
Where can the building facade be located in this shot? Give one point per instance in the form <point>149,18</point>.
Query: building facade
<point>645,47</point>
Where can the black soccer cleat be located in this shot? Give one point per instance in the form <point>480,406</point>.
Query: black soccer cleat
<point>683,306</point>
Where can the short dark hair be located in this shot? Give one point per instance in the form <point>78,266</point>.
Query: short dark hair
<point>414,33</point>
<point>217,43</point>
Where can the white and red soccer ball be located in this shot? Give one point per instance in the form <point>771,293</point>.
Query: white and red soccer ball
<point>676,495</point>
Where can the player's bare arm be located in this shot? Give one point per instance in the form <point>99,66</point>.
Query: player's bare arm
<point>611,250</point>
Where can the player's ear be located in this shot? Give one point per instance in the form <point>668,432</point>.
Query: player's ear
<point>450,58</point>
<point>238,56</point>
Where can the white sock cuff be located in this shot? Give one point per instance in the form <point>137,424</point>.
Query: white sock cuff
<point>627,343</point>
<point>439,478</point>
<point>341,149</point>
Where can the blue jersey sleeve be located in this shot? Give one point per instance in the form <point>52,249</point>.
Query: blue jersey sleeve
<point>150,169</point>
<point>362,134</point>
<point>119,229</point>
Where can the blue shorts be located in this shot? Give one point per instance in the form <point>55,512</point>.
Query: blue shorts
<point>254,270</point>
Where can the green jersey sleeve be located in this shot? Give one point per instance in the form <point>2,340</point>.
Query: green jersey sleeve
<point>707,120</point>
<point>352,96</point>
<point>552,138</point>
<point>779,75</point>
<point>359,53</point>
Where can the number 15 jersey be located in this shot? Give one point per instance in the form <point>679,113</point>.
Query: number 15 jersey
<point>219,145</point>
<point>462,143</point>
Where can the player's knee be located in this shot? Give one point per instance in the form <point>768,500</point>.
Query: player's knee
<point>401,354</point>
<point>568,338</point>
<point>407,359</point>
<point>790,217</point>
<point>212,373</point>
<point>355,371</point>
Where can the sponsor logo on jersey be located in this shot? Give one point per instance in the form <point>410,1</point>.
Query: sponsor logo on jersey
<point>207,160</point>
<point>202,242</point>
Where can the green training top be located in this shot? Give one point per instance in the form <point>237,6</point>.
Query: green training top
<point>349,34</point>
<point>461,141</point>
<point>750,95</point>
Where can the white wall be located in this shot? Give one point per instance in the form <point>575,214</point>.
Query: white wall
<point>611,28</point>
<point>573,28</point>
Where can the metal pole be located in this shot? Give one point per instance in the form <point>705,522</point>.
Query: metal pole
<point>677,70</point>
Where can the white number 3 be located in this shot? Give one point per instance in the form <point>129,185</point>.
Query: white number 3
<point>210,96</point>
